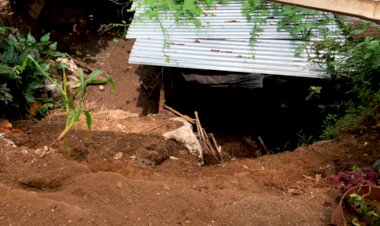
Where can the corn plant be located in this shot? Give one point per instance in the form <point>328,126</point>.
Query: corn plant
<point>73,109</point>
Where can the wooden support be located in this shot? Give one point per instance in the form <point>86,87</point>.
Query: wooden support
<point>161,102</point>
<point>263,144</point>
<point>187,118</point>
<point>366,9</point>
<point>208,144</point>
<point>217,147</point>
<point>200,134</point>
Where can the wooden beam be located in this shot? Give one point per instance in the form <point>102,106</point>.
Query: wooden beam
<point>366,9</point>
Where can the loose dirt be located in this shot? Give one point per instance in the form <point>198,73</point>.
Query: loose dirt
<point>96,178</point>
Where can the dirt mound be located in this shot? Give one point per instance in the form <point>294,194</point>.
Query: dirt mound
<point>41,185</point>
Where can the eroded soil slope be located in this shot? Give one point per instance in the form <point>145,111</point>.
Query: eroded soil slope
<point>41,185</point>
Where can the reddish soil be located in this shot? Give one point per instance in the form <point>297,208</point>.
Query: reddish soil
<point>97,179</point>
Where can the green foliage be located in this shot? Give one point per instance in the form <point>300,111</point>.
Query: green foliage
<point>304,139</point>
<point>20,82</point>
<point>354,66</point>
<point>26,65</point>
<point>74,109</point>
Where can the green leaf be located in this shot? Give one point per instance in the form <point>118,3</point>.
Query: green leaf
<point>53,46</point>
<point>12,41</point>
<point>358,32</point>
<point>61,66</point>
<point>45,66</point>
<point>35,85</point>
<point>45,38</point>
<point>75,116</point>
<point>3,30</point>
<point>112,83</point>
<point>57,54</point>
<point>197,23</point>
<point>299,49</point>
<point>92,76</point>
<point>29,97</point>
<point>189,5</point>
<point>88,119</point>
<point>31,39</point>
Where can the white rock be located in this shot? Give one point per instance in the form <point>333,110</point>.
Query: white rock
<point>186,136</point>
<point>118,155</point>
<point>6,141</point>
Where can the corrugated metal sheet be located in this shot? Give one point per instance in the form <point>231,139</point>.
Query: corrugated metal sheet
<point>222,43</point>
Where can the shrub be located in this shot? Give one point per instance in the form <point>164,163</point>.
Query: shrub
<point>21,84</point>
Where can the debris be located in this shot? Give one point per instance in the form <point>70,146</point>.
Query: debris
<point>186,136</point>
<point>308,177</point>
<point>118,155</point>
<point>24,152</point>
<point>207,143</point>
<point>263,144</point>
<point>132,157</point>
<point>294,191</point>
<point>101,88</point>
<point>173,158</point>
<point>73,68</point>
<point>318,178</point>
<point>6,141</point>
<point>218,148</point>
<point>41,152</point>
<point>247,168</point>
<point>187,118</point>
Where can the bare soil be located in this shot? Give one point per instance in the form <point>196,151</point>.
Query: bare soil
<point>97,179</point>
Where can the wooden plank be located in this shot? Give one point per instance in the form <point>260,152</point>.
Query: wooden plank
<point>366,9</point>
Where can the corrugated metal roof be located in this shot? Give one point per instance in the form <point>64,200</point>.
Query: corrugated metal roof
<point>222,43</point>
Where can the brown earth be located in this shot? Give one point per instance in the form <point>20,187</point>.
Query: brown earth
<point>97,178</point>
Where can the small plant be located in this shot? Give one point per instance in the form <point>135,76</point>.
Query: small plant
<point>73,109</point>
<point>365,211</point>
<point>27,66</point>
<point>304,139</point>
<point>355,177</point>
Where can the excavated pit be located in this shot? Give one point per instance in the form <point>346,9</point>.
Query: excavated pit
<point>278,111</point>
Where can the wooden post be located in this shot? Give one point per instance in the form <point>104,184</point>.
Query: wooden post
<point>161,102</point>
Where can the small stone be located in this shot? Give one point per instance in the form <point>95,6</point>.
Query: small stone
<point>41,152</point>
<point>132,157</point>
<point>119,184</point>
<point>118,155</point>
<point>24,152</point>
<point>101,88</point>
<point>294,191</point>
<point>166,187</point>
